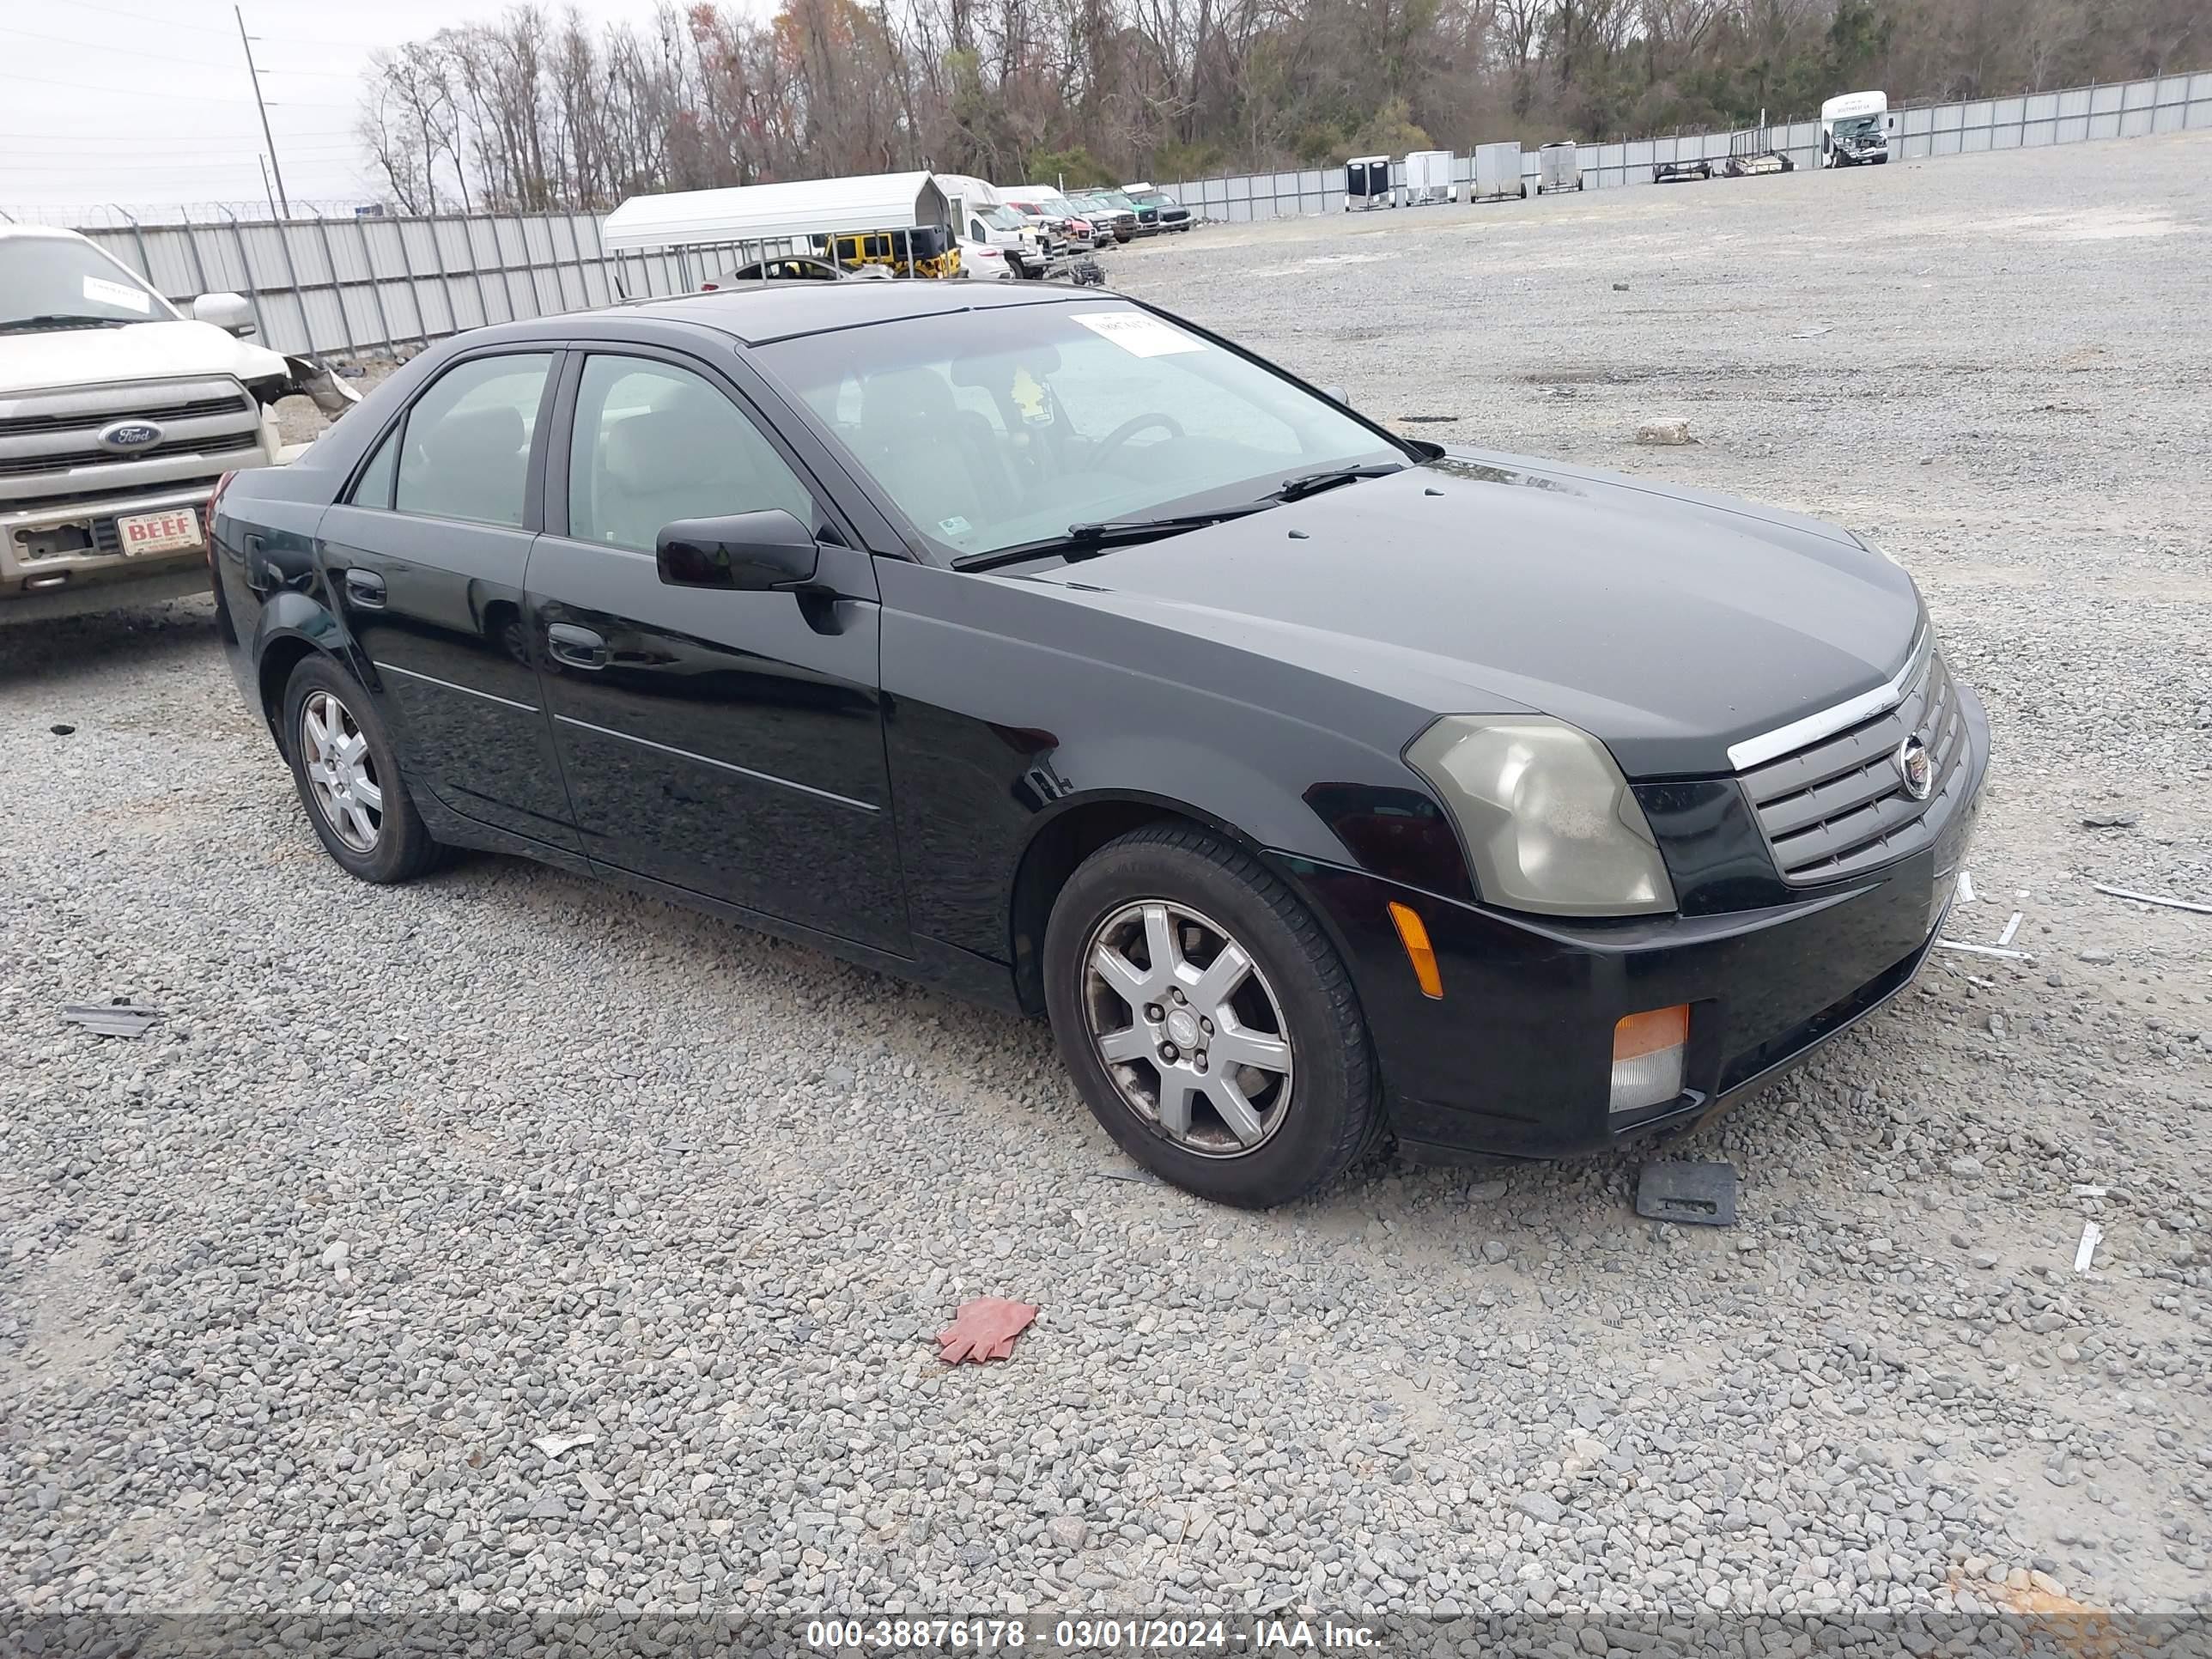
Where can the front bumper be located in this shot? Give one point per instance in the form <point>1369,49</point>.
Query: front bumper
<point>1515,1059</point>
<point>38,583</point>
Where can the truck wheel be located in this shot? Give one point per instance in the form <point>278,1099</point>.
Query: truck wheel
<point>348,776</point>
<point>1207,1020</point>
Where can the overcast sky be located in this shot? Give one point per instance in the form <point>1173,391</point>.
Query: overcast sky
<point>147,101</point>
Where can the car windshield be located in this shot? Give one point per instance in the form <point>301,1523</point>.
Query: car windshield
<point>1155,198</point>
<point>56,282</point>
<point>995,428</point>
<point>1857,126</point>
<point>1002,218</point>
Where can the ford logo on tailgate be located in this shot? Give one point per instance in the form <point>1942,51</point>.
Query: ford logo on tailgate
<point>124,436</point>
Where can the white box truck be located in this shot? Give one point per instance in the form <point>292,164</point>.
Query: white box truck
<point>1428,177</point>
<point>1854,129</point>
<point>1498,174</point>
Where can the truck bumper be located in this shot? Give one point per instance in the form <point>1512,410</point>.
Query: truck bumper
<point>68,559</point>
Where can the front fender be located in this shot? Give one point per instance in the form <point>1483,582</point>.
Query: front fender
<point>1009,707</point>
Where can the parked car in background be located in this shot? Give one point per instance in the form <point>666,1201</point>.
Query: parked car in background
<point>118,413</point>
<point>983,262</point>
<point>797,268</point>
<point>1110,209</point>
<point>1053,213</point>
<point>1317,783</point>
<point>1157,209</point>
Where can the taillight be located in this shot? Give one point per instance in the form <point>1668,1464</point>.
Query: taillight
<point>208,529</point>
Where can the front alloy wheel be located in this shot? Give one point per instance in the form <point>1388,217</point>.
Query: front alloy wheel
<point>1206,1019</point>
<point>341,772</point>
<point>1188,1028</point>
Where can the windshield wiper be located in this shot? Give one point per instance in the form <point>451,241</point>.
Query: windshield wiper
<point>1082,540</point>
<point>1312,484</point>
<point>60,319</point>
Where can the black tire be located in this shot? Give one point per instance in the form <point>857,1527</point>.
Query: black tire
<point>1334,1112</point>
<point>401,847</point>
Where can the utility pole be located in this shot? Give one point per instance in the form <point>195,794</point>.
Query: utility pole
<point>263,163</point>
<point>254,74</point>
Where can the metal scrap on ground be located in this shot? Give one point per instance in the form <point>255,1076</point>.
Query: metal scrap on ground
<point>120,1018</point>
<point>984,1329</point>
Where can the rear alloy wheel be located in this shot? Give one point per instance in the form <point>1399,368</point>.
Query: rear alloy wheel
<point>349,776</point>
<point>1207,1020</point>
<point>341,772</point>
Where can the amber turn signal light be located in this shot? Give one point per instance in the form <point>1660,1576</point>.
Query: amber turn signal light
<point>1415,938</point>
<point>1647,1057</point>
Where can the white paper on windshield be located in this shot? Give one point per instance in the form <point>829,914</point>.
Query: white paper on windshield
<point>1138,333</point>
<point>118,293</point>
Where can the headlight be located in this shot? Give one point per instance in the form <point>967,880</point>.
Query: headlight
<point>1546,817</point>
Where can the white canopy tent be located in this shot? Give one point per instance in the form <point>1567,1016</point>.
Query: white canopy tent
<point>761,213</point>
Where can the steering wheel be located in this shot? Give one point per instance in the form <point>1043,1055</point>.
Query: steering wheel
<point>1129,428</point>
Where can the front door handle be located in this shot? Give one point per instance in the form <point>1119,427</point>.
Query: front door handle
<point>578,647</point>
<point>364,589</point>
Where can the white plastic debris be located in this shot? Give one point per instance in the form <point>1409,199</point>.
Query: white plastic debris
<point>1982,949</point>
<point>2010,928</point>
<point>2155,898</point>
<point>2092,1235</point>
<point>1966,887</point>
<point>554,1444</point>
<point>2082,1189</point>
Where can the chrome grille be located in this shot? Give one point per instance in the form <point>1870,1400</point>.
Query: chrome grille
<point>1838,807</point>
<point>17,426</point>
<point>223,444</point>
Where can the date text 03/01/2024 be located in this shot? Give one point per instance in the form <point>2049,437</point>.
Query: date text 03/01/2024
<point>1092,1635</point>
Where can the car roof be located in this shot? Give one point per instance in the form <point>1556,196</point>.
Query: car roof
<point>776,311</point>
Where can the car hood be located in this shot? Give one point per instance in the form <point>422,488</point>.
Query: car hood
<point>136,351</point>
<point>1671,623</point>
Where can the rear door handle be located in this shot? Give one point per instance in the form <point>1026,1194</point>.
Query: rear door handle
<point>578,647</point>
<point>365,588</point>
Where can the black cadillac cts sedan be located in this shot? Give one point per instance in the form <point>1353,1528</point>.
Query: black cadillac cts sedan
<point>1316,783</point>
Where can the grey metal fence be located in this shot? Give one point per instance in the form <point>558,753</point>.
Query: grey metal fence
<point>366,285</point>
<point>362,284</point>
<point>2126,110</point>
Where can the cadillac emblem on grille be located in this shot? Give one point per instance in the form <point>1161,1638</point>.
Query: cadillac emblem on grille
<point>123,436</point>
<point>1917,767</point>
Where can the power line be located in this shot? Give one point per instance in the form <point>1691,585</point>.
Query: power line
<point>209,28</point>
<point>105,47</point>
<point>184,97</point>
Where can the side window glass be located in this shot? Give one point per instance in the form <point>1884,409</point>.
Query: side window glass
<point>374,487</point>
<point>467,453</point>
<point>654,443</point>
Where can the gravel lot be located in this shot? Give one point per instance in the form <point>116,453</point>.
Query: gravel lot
<point>407,1179</point>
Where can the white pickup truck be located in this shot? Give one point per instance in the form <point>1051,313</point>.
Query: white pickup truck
<point>117,416</point>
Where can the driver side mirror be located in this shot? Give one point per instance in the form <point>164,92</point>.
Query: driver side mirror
<point>229,312</point>
<point>747,552</point>
<point>1337,394</point>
